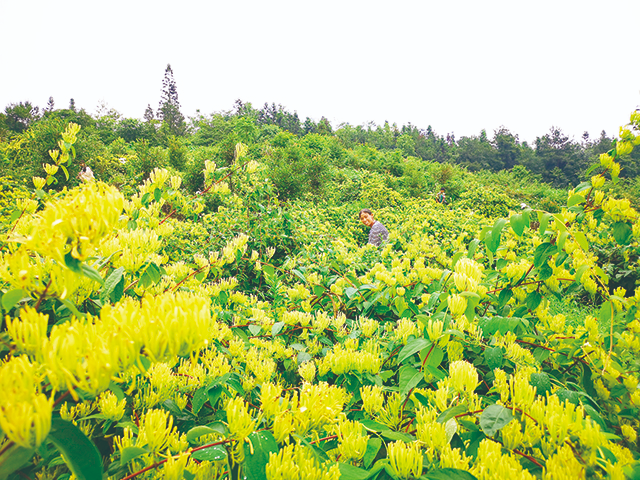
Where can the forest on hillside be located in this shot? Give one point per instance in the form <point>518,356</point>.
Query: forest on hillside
<point>115,146</point>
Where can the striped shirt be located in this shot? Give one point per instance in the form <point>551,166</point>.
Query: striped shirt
<point>378,234</point>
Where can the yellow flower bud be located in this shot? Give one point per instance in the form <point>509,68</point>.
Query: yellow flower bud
<point>629,433</point>
<point>39,182</point>
<point>597,181</point>
<point>457,304</point>
<point>50,169</point>
<point>405,459</point>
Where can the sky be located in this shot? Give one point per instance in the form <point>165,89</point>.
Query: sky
<point>458,65</point>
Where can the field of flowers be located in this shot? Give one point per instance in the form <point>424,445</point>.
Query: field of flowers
<point>142,338</point>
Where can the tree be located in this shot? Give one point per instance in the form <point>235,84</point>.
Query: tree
<point>50,105</point>
<point>561,161</point>
<point>18,117</point>
<point>506,145</point>
<point>72,105</point>
<point>324,127</point>
<point>169,109</point>
<point>148,114</point>
<point>477,153</point>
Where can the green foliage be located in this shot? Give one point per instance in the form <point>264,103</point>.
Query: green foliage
<point>177,152</point>
<point>266,337</point>
<point>486,200</point>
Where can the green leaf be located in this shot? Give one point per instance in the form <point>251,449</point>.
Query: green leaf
<point>198,431</point>
<point>116,390</point>
<point>373,426</point>
<point>129,453</point>
<point>449,474</point>
<point>157,194</point>
<point>562,256</point>
<point>566,395</point>
<point>302,357</point>
<point>214,394</point>
<point>14,458</point>
<point>533,300</point>
<point>90,272</point>
<point>391,435</point>
<point>154,272</point>
<point>16,213</point>
<point>435,357</point>
<point>544,222</point>
<point>493,357</point>
<point>73,263</point>
<point>81,456</point>
<point>606,313</point>
<point>581,238</point>
<point>580,271</point>
<point>541,382</point>
<point>493,418</point>
<point>409,378</point>
<point>212,454</point>
<point>472,247</point>
<point>622,233</point>
<point>72,308</point>
<point>269,270</point>
<point>451,412</point>
<point>276,328</point>
<point>542,253</point>
<point>199,399</point>
<point>373,447</point>
<point>13,297</point>
<point>575,200</point>
<point>255,329</point>
<point>517,224</point>
<point>256,454</point>
<point>498,226</point>
<point>349,472</point>
<point>414,345</point>
<point>111,281</point>
<point>504,297</point>
<point>66,172</point>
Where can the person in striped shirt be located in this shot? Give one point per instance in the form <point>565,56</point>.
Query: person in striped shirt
<point>378,233</point>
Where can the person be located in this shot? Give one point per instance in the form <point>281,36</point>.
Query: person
<point>86,174</point>
<point>440,197</point>
<point>378,233</point>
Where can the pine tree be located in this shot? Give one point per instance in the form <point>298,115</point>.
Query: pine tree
<point>169,109</point>
<point>148,113</point>
<point>72,105</point>
<point>50,104</point>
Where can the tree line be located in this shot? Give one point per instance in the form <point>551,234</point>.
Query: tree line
<point>554,157</point>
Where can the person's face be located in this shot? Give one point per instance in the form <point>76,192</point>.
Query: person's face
<point>367,219</point>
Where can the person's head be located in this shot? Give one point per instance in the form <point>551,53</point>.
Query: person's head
<point>366,217</point>
<point>442,190</point>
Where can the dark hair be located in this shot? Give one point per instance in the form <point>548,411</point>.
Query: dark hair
<point>365,210</point>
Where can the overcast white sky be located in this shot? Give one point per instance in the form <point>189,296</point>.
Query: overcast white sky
<point>459,66</point>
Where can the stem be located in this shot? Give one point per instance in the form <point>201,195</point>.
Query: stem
<point>330,437</point>
<point>61,397</point>
<point>37,305</point>
<point>157,464</point>
<point>528,457</point>
<point>6,447</point>
<point>396,350</point>
<point>405,402</point>
<point>189,276</point>
<point>428,353</point>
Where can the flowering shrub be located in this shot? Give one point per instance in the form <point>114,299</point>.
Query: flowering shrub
<point>270,345</point>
